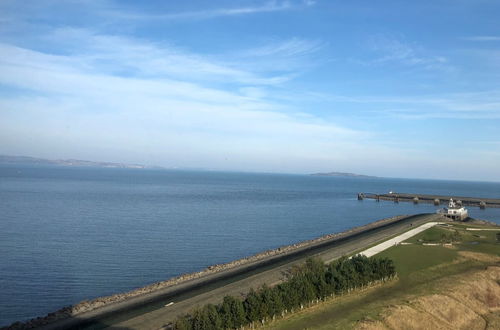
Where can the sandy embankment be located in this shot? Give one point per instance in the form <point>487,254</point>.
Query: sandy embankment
<point>470,301</point>
<point>97,303</point>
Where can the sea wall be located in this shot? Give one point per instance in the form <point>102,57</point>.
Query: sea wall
<point>91,305</point>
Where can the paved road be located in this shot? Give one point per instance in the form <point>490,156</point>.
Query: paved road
<point>270,275</point>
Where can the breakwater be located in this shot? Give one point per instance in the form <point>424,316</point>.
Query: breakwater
<point>82,310</point>
<point>432,199</point>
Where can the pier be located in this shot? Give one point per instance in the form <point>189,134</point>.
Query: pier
<point>432,199</point>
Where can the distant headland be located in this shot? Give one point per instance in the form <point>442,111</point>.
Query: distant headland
<point>343,174</point>
<point>67,162</point>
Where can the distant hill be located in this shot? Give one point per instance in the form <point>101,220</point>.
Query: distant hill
<point>65,162</point>
<point>343,174</point>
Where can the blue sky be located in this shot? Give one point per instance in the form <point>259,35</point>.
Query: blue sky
<point>389,88</point>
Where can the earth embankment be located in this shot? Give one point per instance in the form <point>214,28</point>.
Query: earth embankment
<point>469,301</point>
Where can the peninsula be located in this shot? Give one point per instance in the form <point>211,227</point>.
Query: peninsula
<point>343,174</point>
<point>25,160</point>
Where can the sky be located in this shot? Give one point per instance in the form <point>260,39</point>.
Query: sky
<point>387,88</point>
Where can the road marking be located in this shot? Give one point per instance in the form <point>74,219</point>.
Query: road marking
<point>398,239</point>
<point>169,304</point>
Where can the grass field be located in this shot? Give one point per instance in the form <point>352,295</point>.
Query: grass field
<point>422,269</point>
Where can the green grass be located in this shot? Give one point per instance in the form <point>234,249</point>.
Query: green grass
<point>421,269</point>
<point>484,241</point>
<point>408,258</point>
<point>432,234</point>
<point>482,247</point>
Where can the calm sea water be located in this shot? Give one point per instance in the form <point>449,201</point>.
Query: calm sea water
<point>69,234</point>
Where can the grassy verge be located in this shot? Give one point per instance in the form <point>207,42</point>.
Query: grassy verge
<point>422,270</point>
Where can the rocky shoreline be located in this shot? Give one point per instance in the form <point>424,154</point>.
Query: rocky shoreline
<point>91,305</point>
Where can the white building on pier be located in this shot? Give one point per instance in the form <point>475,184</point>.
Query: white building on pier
<point>454,211</point>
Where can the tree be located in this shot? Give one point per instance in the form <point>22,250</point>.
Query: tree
<point>277,305</point>
<point>182,323</point>
<point>226,313</point>
<point>252,306</point>
<point>238,312</point>
<point>309,281</point>
<point>307,291</point>
<point>201,320</point>
<point>214,317</point>
<point>232,313</point>
<point>266,302</point>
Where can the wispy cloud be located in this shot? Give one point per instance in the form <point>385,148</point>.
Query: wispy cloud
<point>128,56</point>
<point>288,48</point>
<point>267,7</point>
<point>160,99</point>
<point>488,58</point>
<point>482,38</point>
<point>388,50</point>
<point>292,55</point>
<point>465,105</point>
<point>484,105</point>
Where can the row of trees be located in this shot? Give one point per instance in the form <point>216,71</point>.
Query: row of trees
<point>308,283</point>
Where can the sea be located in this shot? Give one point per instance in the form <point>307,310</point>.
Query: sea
<point>70,234</point>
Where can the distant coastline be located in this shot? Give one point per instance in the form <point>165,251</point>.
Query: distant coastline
<point>25,160</point>
<point>343,174</point>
